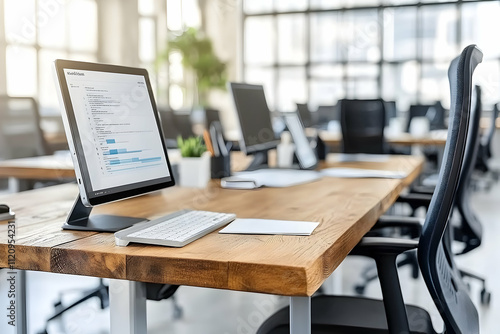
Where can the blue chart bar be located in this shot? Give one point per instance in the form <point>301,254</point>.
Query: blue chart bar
<point>110,141</point>
<point>120,151</point>
<point>150,159</point>
<point>115,162</point>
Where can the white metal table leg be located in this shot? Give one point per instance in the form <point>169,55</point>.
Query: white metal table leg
<point>127,303</point>
<point>333,284</point>
<point>13,301</point>
<point>300,315</point>
<point>22,323</point>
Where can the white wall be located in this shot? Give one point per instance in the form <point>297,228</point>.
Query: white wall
<point>221,21</point>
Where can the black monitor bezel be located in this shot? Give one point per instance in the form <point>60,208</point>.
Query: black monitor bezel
<point>256,148</point>
<point>141,189</point>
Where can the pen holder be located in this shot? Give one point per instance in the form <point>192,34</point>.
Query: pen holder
<point>221,166</point>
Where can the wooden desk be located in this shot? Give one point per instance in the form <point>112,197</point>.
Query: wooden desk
<point>286,265</point>
<point>436,139</point>
<point>47,167</point>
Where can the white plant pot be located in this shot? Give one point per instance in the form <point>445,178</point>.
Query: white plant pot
<point>195,172</point>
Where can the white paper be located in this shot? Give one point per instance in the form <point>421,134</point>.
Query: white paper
<point>269,178</point>
<point>362,157</point>
<point>362,173</point>
<point>269,226</point>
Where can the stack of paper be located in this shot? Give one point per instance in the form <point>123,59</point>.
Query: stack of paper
<point>269,226</point>
<point>362,173</point>
<point>362,157</point>
<point>269,178</point>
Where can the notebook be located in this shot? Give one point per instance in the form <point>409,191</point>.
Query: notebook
<point>362,173</point>
<point>269,226</point>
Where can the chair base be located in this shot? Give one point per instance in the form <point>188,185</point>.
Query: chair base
<point>348,315</point>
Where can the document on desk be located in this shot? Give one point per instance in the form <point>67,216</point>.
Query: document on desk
<point>363,157</point>
<point>362,173</point>
<point>269,226</point>
<point>269,178</point>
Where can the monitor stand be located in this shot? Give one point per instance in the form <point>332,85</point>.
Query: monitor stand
<point>79,219</point>
<point>259,161</point>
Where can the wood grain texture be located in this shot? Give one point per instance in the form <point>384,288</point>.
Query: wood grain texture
<point>40,168</point>
<point>404,139</point>
<point>286,265</point>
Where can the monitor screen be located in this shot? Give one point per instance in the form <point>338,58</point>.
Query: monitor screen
<point>305,114</point>
<point>254,116</point>
<point>114,131</point>
<point>303,150</point>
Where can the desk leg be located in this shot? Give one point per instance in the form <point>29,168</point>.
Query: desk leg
<point>300,315</point>
<point>14,185</point>
<point>22,325</point>
<point>127,304</point>
<point>13,301</point>
<point>333,284</point>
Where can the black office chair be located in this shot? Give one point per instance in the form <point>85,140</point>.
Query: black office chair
<point>332,314</point>
<point>174,125</point>
<point>435,113</point>
<point>362,123</point>
<point>184,125</point>
<point>390,111</point>
<point>485,152</point>
<point>20,132</point>
<point>325,114</point>
<point>468,230</point>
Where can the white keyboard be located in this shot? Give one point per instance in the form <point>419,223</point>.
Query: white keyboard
<point>174,230</point>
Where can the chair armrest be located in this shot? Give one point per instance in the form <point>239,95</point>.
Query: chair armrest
<point>397,226</point>
<point>376,246</point>
<point>415,201</point>
<point>422,190</point>
<point>400,221</point>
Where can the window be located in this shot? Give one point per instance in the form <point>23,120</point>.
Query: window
<point>36,32</point>
<point>319,51</point>
<point>180,15</point>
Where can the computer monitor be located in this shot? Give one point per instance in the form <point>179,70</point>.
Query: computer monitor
<point>211,115</point>
<point>303,151</point>
<point>255,121</point>
<point>305,114</point>
<point>115,139</point>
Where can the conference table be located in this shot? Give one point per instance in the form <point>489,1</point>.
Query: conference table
<point>294,266</point>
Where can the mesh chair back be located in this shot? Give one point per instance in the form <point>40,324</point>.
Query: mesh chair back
<point>436,261</point>
<point>491,131</point>
<point>20,132</point>
<point>470,231</point>
<point>362,123</point>
<point>434,112</point>
<point>390,111</point>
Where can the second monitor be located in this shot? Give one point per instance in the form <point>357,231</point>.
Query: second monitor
<point>255,122</point>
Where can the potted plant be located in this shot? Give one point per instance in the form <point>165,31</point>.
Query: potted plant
<point>199,58</point>
<point>194,167</point>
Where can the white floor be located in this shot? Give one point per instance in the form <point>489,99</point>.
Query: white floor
<point>210,311</point>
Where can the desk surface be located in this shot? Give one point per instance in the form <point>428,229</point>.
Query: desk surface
<point>286,265</point>
<point>47,167</point>
<point>437,139</point>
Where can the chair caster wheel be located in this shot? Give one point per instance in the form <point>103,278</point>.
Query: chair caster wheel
<point>485,297</point>
<point>360,289</point>
<point>178,313</point>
